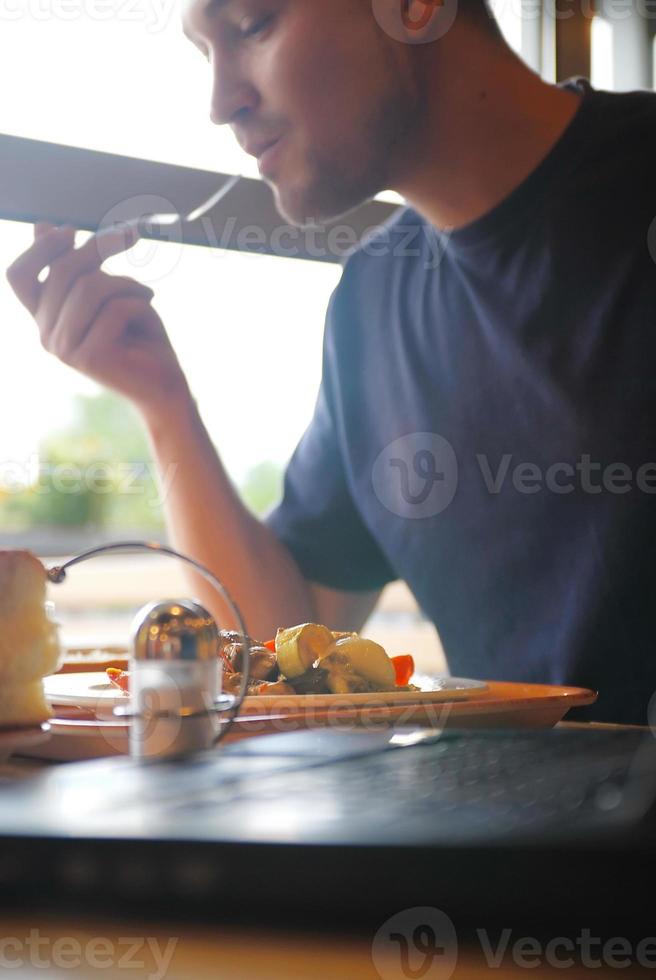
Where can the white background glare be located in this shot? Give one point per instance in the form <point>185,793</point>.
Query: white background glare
<point>120,77</point>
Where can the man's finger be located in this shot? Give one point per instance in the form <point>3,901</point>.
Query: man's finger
<point>84,303</point>
<point>113,320</point>
<point>42,228</point>
<point>73,266</point>
<point>23,273</point>
<point>112,241</point>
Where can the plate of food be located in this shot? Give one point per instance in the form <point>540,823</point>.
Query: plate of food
<point>306,666</point>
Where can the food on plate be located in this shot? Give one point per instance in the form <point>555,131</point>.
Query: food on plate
<point>92,659</point>
<point>306,659</point>
<point>404,668</point>
<point>301,646</point>
<point>29,644</point>
<point>355,665</point>
<point>119,678</point>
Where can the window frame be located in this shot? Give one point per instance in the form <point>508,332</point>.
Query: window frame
<point>42,181</point>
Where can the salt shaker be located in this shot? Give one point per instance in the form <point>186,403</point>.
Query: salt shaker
<point>175,675</point>
<point>175,679</point>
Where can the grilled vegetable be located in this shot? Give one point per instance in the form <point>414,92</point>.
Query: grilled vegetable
<point>119,678</point>
<point>300,647</point>
<point>263,663</point>
<point>254,688</point>
<point>366,659</point>
<point>404,667</point>
<point>313,681</point>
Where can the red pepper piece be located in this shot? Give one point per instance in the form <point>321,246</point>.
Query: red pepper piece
<point>404,667</point>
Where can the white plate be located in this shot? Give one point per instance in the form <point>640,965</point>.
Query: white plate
<point>93,690</point>
<point>12,740</point>
<point>432,690</point>
<point>86,689</point>
<point>72,741</point>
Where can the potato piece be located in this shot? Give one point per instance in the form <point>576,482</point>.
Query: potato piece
<point>341,680</point>
<point>369,660</point>
<point>299,647</point>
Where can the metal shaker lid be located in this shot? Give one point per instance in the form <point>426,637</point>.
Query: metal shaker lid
<point>174,629</point>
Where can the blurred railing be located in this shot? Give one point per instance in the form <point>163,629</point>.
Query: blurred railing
<point>96,604</point>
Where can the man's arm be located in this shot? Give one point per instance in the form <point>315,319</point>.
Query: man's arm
<point>208,520</point>
<point>105,327</point>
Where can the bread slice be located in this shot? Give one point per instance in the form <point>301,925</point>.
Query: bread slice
<point>23,705</point>
<point>29,645</point>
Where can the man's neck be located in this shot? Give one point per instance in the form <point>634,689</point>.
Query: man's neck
<point>494,124</point>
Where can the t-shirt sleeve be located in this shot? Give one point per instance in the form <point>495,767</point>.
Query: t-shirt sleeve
<point>318,520</point>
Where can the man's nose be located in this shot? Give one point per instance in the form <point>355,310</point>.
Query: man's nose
<point>232,95</point>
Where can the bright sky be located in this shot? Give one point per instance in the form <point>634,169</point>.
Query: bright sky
<point>118,75</point>
<point>133,85</point>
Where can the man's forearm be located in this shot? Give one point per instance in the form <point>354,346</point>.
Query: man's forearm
<point>208,521</point>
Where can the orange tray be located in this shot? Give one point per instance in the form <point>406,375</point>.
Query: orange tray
<point>78,734</point>
<point>502,705</point>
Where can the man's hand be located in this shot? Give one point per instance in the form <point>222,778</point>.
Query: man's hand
<point>102,325</point>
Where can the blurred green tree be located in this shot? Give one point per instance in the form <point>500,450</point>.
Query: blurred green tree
<point>262,487</point>
<point>98,472</point>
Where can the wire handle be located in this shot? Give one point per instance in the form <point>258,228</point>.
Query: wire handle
<point>57,574</point>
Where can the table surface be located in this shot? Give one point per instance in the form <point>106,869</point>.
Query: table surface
<point>34,946</point>
<point>59,949</point>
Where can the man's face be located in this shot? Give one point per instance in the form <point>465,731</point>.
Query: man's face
<point>320,81</point>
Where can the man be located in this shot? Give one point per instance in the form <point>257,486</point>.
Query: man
<point>484,425</point>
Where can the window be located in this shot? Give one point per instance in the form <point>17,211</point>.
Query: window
<point>120,78</point>
<point>601,74</point>
<point>509,15</point>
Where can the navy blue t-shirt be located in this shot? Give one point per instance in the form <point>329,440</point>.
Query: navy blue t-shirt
<point>486,423</point>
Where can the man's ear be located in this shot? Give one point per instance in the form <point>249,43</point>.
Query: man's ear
<point>415,21</point>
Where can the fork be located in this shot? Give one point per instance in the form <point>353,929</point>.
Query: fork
<point>166,219</point>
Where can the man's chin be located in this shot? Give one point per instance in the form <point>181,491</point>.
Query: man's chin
<point>308,210</point>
